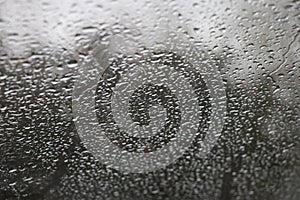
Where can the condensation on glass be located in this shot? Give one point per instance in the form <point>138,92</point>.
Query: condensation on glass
<point>150,99</point>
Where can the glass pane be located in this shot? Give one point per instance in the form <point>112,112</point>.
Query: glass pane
<point>125,99</point>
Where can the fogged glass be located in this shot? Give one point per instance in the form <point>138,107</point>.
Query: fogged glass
<point>150,99</point>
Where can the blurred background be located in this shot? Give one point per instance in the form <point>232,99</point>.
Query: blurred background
<point>253,44</point>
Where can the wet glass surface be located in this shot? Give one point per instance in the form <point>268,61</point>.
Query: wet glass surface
<point>150,100</point>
